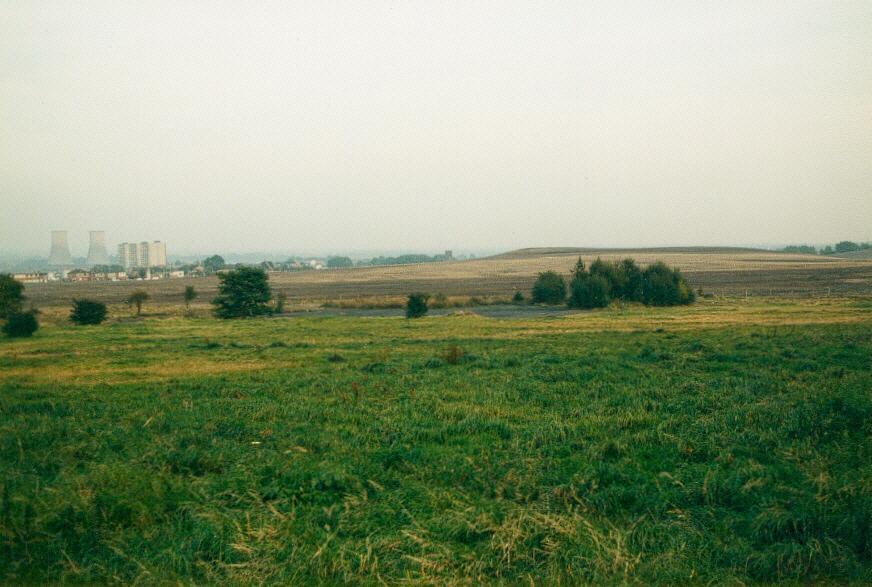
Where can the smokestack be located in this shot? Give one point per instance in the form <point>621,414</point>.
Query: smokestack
<point>97,254</point>
<point>60,250</point>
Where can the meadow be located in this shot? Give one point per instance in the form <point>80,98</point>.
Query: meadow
<point>729,442</point>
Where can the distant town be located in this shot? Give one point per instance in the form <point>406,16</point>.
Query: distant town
<point>147,260</point>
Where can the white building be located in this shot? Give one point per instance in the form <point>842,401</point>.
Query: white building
<point>145,254</point>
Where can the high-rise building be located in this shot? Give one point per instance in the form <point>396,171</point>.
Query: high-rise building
<point>97,254</point>
<point>157,254</point>
<point>142,254</point>
<point>60,250</point>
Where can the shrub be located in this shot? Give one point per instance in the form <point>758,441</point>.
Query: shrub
<point>11,295</point>
<point>518,298</point>
<point>663,286</point>
<point>88,312</point>
<point>589,291</point>
<point>242,292</point>
<point>550,288</point>
<point>20,324</point>
<point>416,305</point>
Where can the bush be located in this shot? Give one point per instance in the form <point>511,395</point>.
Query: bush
<point>11,295</point>
<point>416,305</point>
<point>243,292</point>
<point>20,324</point>
<point>589,291</point>
<point>550,288</point>
<point>658,285</point>
<point>663,286</point>
<point>518,298</point>
<point>88,312</point>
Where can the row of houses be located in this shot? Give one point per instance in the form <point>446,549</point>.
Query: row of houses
<point>80,275</point>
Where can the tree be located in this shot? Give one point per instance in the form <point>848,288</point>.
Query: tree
<point>189,295</point>
<point>88,312</point>
<point>550,288</point>
<point>416,305</point>
<point>578,269</point>
<point>243,292</point>
<point>20,324</point>
<point>847,247</point>
<point>339,262</point>
<point>631,284</point>
<point>136,298</point>
<point>11,295</point>
<point>805,249</point>
<point>213,263</point>
<point>589,291</point>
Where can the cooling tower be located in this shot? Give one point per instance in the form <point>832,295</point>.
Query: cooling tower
<point>60,250</point>
<point>97,254</point>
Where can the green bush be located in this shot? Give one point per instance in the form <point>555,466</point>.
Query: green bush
<point>589,291</point>
<point>550,288</point>
<point>518,298</point>
<point>20,324</point>
<point>88,312</point>
<point>658,285</point>
<point>663,286</point>
<point>416,305</point>
<point>243,293</point>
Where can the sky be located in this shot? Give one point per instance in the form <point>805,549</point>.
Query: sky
<point>417,125</point>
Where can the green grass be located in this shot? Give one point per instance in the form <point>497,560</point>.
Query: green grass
<point>717,443</point>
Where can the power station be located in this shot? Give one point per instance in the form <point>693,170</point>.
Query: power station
<point>97,254</point>
<point>130,255</point>
<point>60,250</point>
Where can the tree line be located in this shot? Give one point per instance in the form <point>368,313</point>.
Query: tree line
<point>839,247</point>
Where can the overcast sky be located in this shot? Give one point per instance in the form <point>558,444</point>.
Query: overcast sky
<point>341,126</point>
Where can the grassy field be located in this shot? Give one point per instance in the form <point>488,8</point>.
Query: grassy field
<point>728,441</point>
<point>720,271</point>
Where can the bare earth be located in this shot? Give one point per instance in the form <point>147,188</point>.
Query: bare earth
<point>721,271</point>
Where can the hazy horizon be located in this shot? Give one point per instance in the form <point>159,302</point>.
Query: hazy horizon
<point>418,127</point>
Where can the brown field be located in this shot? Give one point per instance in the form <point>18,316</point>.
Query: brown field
<point>720,271</point>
